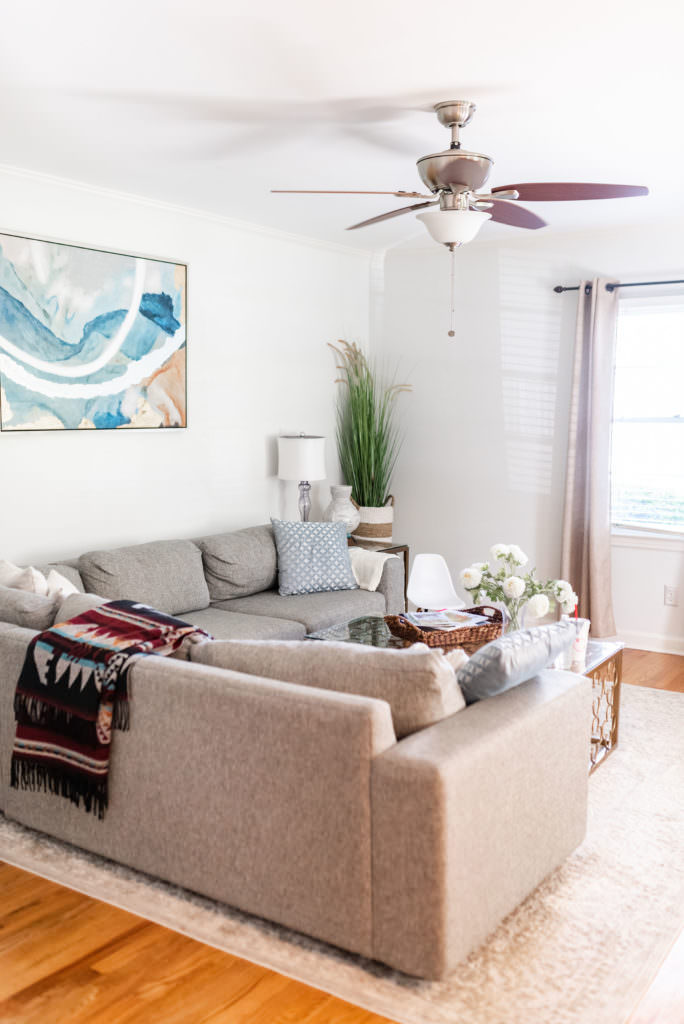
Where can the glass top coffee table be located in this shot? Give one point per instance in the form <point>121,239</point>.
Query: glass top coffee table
<point>371,630</point>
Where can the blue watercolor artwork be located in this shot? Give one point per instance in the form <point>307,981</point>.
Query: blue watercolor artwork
<point>89,339</point>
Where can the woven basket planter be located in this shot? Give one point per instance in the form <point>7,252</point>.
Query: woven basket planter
<point>376,523</point>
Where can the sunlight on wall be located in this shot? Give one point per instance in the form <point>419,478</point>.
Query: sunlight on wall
<point>530,327</point>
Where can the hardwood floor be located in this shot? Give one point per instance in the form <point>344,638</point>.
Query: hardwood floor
<point>660,671</point>
<point>664,1001</point>
<point>68,959</point>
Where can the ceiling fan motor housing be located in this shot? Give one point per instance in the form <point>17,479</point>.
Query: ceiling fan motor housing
<point>455,170</point>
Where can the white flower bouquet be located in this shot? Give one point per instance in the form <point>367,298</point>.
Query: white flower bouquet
<point>506,586</point>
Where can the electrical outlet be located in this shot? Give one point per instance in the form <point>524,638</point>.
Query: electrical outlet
<point>671,596</point>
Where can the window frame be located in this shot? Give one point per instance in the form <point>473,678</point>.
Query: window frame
<point>624,532</point>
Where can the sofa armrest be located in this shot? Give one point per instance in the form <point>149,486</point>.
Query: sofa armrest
<point>470,814</point>
<point>13,643</point>
<point>391,585</point>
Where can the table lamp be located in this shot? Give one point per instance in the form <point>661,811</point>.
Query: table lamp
<point>302,457</point>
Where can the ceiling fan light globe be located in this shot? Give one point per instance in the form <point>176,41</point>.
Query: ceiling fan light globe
<point>453,227</point>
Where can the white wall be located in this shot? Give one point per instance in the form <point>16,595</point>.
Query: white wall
<point>261,307</point>
<point>486,428</point>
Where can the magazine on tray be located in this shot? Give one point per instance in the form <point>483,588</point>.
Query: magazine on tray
<point>450,618</point>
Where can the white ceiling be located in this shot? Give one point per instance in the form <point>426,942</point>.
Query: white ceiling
<point>170,99</point>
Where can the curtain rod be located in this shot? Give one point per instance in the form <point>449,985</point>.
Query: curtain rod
<point>611,287</point>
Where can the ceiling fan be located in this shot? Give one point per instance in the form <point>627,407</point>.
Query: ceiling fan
<point>454,177</point>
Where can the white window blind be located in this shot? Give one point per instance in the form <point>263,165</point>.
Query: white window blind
<point>647,471</point>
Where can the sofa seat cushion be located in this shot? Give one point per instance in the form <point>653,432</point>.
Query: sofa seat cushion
<point>165,574</point>
<point>225,625</point>
<point>316,611</point>
<point>418,683</point>
<point>239,563</point>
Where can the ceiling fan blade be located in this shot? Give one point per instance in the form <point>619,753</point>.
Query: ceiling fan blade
<point>382,137</point>
<point>272,109</point>
<point>347,192</point>
<point>392,213</point>
<point>517,216</point>
<point>561,191</point>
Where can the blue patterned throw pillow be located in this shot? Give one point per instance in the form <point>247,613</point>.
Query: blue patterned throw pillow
<point>513,659</point>
<point>312,557</point>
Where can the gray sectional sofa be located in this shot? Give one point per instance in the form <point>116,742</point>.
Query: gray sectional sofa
<point>226,584</point>
<point>299,804</point>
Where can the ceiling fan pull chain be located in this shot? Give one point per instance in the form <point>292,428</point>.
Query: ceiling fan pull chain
<point>452,289</point>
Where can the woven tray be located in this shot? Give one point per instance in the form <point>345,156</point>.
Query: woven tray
<point>470,639</point>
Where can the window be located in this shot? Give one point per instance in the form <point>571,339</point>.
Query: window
<point>648,416</point>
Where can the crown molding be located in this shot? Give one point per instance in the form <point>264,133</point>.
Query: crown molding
<point>176,208</point>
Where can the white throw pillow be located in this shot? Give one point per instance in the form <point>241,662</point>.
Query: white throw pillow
<point>23,579</point>
<point>59,586</point>
<point>418,683</point>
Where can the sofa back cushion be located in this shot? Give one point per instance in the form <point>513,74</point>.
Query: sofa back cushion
<point>513,659</point>
<point>240,563</point>
<point>418,683</point>
<point>27,609</point>
<point>165,574</point>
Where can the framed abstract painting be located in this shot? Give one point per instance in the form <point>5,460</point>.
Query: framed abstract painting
<point>90,340</point>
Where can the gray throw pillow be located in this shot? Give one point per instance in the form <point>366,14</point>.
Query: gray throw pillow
<point>418,683</point>
<point>77,604</point>
<point>240,563</point>
<point>24,608</point>
<point>512,659</point>
<point>312,557</point>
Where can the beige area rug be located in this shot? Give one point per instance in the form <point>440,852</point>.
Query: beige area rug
<point>582,948</point>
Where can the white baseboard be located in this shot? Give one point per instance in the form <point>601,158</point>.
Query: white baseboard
<point>662,643</point>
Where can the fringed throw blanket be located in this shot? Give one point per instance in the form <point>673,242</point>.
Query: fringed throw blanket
<point>73,689</point>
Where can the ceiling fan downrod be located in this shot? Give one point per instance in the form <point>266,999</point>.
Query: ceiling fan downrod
<point>452,288</point>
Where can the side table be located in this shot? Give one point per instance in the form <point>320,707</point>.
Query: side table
<point>388,549</point>
<point>604,668</point>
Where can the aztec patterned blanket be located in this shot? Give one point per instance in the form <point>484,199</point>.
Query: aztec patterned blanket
<point>73,690</point>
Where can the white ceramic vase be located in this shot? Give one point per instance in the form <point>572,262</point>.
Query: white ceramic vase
<point>341,509</point>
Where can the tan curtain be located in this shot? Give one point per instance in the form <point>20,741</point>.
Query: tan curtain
<point>585,553</point>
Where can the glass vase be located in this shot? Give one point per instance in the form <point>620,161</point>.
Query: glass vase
<point>513,620</point>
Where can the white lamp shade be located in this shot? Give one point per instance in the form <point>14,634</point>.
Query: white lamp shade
<point>453,227</point>
<point>430,585</point>
<point>301,457</point>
